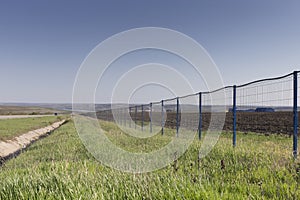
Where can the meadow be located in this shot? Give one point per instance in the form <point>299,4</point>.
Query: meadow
<point>59,167</point>
<point>10,128</point>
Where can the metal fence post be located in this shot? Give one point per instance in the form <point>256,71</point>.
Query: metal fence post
<point>129,110</point>
<point>142,117</point>
<point>162,117</point>
<point>234,116</point>
<point>135,116</point>
<point>295,111</point>
<point>150,117</point>
<point>177,116</point>
<point>200,117</point>
<point>124,114</point>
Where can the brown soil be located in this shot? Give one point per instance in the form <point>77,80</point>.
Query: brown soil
<point>259,122</point>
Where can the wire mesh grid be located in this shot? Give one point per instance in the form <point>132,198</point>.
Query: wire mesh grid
<point>266,107</point>
<point>214,107</point>
<point>155,117</point>
<point>169,113</point>
<point>189,112</point>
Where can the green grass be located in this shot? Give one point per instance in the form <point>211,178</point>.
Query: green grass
<point>10,128</point>
<point>59,167</point>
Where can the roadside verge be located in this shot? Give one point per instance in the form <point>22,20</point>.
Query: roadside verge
<point>13,147</point>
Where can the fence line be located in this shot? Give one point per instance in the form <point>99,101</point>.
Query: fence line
<point>265,106</point>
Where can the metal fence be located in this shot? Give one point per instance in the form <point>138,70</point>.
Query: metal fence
<point>268,106</point>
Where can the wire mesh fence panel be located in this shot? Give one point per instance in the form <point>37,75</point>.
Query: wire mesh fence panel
<point>135,116</point>
<point>266,107</point>
<point>169,114</point>
<point>105,115</point>
<point>189,112</point>
<point>263,107</point>
<point>125,117</point>
<point>138,117</point>
<point>102,115</point>
<point>213,107</point>
<point>206,111</point>
<point>145,117</point>
<point>228,125</point>
<point>214,110</point>
<point>129,117</point>
<point>120,116</point>
<point>156,119</point>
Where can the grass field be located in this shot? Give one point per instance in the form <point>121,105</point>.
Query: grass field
<point>27,110</point>
<point>59,167</point>
<point>10,128</point>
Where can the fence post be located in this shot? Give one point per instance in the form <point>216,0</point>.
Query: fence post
<point>129,112</point>
<point>142,117</point>
<point>295,111</point>
<point>124,115</point>
<point>162,117</point>
<point>234,116</point>
<point>150,117</point>
<point>135,116</point>
<point>200,117</point>
<point>177,116</point>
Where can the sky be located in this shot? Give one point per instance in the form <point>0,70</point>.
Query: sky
<point>43,43</point>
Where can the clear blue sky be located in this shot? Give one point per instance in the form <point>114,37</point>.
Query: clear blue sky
<point>43,43</point>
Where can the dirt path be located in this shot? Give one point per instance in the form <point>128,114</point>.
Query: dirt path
<point>21,116</point>
<point>11,147</point>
